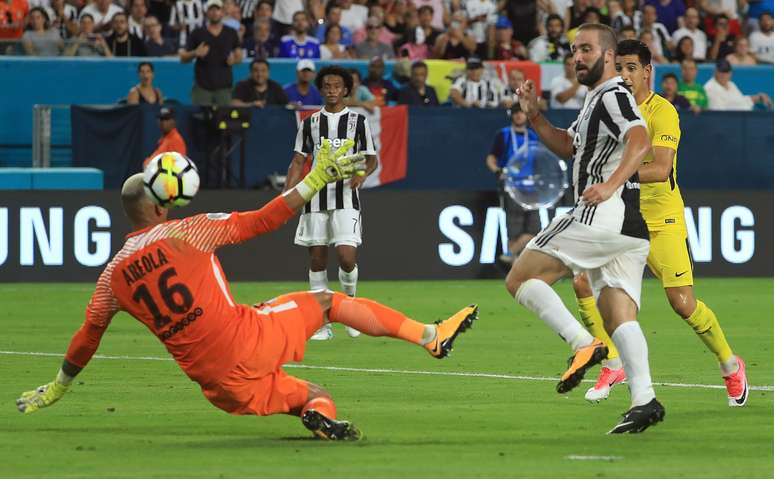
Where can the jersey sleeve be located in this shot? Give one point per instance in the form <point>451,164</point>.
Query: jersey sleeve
<point>366,141</point>
<point>102,306</point>
<point>665,127</point>
<point>620,113</point>
<point>303,146</point>
<point>459,84</point>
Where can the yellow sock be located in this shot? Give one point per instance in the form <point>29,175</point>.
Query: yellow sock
<point>587,307</point>
<point>705,324</point>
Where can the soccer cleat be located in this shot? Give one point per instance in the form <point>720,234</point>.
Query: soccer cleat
<point>323,334</point>
<point>353,333</point>
<point>330,429</point>
<point>448,329</point>
<point>607,379</point>
<point>583,359</point>
<point>736,385</point>
<point>639,418</point>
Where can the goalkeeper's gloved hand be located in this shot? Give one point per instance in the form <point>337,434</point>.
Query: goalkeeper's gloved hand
<point>41,397</point>
<point>333,166</point>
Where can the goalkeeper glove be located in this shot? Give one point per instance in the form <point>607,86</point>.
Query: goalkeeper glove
<point>44,396</point>
<point>331,167</point>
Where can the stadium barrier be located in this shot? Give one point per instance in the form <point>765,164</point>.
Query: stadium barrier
<point>47,236</point>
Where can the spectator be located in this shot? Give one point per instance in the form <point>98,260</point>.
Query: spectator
<point>371,46</point>
<point>170,140</point>
<point>232,17</point>
<point>137,13</point>
<point>472,90</point>
<point>669,91</point>
<point>762,41</point>
<point>333,18</point>
<point>482,16</point>
<point>258,89</point>
<point>723,94</point>
<point>263,10</point>
<point>303,92</point>
<point>102,12</point>
<point>298,44</point>
<point>741,54</point>
<point>504,47</point>
<point>412,44</point>
<point>426,23</point>
<point>691,29</point>
<point>552,46</point>
<point>122,43</point>
<point>284,13</point>
<point>161,9</point>
<point>435,8</point>
<point>261,44</point>
<point>648,38</point>
<point>670,12</point>
<point>383,89</point>
<point>662,40</point>
<point>417,92</point>
<point>64,17</point>
<point>360,96</point>
<point>553,7</point>
<point>723,39</point>
<point>353,16</point>
<point>332,48</point>
<point>144,92</point>
<point>41,40</point>
<point>186,16</point>
<point>215,48</point>
<point>627,33</point>
<point>157,45</point>
<point>510,141</point>
<point>12,21</point>
<point>683,50</point>
<point>566,92</point>
<point>88,43</point>
<point>455,43</point>
<point>756,9</point>
<point>629,16</point>
<point>688,87</point>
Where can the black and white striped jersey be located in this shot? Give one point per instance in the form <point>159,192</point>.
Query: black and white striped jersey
<point>187,15</point>
<point>337,127</point>
<point>609,111</point>
<point>485,93</point>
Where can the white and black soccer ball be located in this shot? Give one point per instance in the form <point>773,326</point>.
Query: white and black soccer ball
<point>171,179</point>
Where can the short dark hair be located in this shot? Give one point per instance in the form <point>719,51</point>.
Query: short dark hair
<point>418,64</point>
<point>669,75</point>
<point>634,47</point>
<point>257,61</point>
<point>607,38</point>
<point>84,15</point>
<point>554,16</point>
<point>355,73</point>
<point>144,64</point>
<point>334,70</point>
<point>425,8</point>
<point>43,13</point>
<point>330,6</point>
<point>328,29</point>
<point>628,28</point>
<point>766,12</point>
<point>119,14</point>
<point>300,12</point>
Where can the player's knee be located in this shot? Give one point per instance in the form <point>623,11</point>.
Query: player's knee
<point>513,282</point>
<point>347,264</point>
<point>580,283</point>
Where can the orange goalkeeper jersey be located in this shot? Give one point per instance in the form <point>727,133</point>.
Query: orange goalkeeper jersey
<point>168,277</point>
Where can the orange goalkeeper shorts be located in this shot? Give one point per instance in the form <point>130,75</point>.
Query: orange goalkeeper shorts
<point>258,385</point>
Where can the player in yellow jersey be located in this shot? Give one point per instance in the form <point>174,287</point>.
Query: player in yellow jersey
<point>662,207</point>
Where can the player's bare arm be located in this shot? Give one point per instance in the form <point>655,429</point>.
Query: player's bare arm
<point>295,170</point>
<point>370,167</point>
<point>658,170</point>
<point>555,139</point>
<point>637,148</point>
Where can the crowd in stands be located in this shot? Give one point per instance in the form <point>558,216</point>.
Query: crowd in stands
<point>725,32</point>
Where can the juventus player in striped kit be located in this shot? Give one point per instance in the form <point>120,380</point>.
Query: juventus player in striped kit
<point>333,216</point>
<point>604,235</point>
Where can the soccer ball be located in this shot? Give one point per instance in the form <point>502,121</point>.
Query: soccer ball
<point>535,177</point>
<point>171,179</point>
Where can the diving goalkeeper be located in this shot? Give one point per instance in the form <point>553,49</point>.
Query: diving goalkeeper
<point>167,276</point>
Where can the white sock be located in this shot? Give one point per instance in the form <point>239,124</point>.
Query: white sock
<point>541,299</point>
<point>348,281</point>
<point>318,280</point>
<point>633,347</point>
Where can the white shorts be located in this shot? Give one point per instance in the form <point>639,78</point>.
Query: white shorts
<point>332,227</point>
<point>609,258</point>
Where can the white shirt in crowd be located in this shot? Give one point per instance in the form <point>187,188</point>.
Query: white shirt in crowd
<point>762,46</point>
<point>562,83</point>
<point>354,17</point>
<point>699,41</point>
<point>726,98</point>
<point>99,18</point>
<point>284,10</point>
<point>477,8</point>
<point>726,6</point>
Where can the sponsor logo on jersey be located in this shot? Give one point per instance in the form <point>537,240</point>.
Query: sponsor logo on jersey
<point>670,138</point>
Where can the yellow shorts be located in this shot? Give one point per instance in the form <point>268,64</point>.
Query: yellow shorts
<point>669,258</point>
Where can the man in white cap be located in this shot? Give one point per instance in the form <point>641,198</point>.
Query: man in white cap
<point>303,92</point>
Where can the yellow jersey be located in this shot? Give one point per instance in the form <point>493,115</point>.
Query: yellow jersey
<point>661,203</point>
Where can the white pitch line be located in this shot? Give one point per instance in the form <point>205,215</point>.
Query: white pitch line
<point>388,371</point>
<point>575,457</point>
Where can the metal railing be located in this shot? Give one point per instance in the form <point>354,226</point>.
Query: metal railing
<point>51,135</point>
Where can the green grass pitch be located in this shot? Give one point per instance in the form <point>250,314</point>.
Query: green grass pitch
<point>142,418</point>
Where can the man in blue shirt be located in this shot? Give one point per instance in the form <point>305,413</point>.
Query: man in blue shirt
<point>510,141</point>
<point>298,44</point>
<point>303,92</point>
<point>333,17</point>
